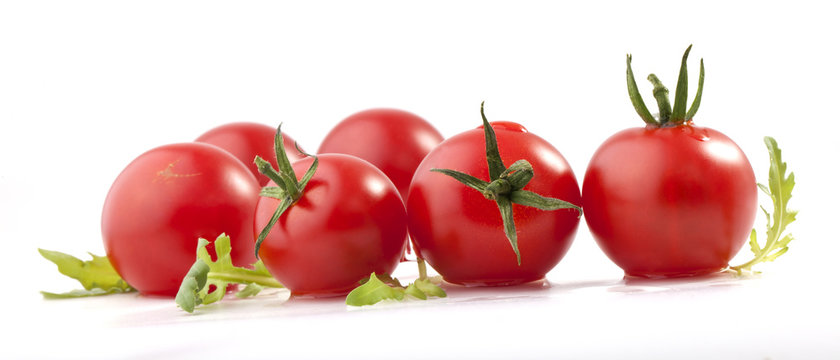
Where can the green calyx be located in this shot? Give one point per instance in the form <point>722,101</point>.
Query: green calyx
<point>288,189</point>
<point>667,116</point>
<point>506,186</point>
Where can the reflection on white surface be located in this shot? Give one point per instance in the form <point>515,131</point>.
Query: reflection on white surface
<point>624,318</point>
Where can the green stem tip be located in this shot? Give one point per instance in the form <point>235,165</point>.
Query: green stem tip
<point>667,116</point>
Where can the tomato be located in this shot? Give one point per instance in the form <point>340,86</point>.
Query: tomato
<point>670,201</point>
<point>245,140</point>
<point>393,140</point>
<point>460,232</point>
<point>673,198</point>
<point>167,198</point>
<point>348,223</point>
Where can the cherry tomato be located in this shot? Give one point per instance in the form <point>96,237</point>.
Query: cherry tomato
<point>670,201</point>
<point>246,140</point>
<point>349,222</point>
<point>393,140</point>
<point>460,232</point>
<point>166,199</point>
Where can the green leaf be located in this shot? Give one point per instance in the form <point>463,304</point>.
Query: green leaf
<point>506,209</point>
<point>195,287</point>
<point>681,96</point>
<point>95,275</point>
<point>284,165</point>
<point>309,173</point>
<point>372,292</point>
<point>765,190</point>
<point>780,188</point>
<point>274,192</point>
<point>465,179</point>
<point>528,198</point>
<point>265,168</point>
<point>494,161</point>
<point>773,256</point>
<point>696,104</point>
<point>429,288</point>
<point>249,290</point>
<point>636,97</point>
<point>284,205</point>
<point>79,293</point>
<point>754,247</point>
<point>415,292</point>
<point>189,294</point>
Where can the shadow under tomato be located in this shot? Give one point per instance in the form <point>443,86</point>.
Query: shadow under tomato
<point>723,279</point>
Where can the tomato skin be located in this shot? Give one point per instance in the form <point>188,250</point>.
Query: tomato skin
<point>395,141</point>
<point>671,201</point>
<point>349,222</point>
<point>166,199</point>
<point>246,140</point>
<point>460,233</point>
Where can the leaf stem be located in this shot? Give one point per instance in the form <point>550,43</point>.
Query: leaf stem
<point>244,278</point>
<point>421,268</point>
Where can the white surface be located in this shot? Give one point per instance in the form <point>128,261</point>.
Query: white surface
<point>87,86</point>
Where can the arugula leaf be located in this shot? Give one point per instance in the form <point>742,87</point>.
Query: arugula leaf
<point>374,290</point>
<point>249,290</point>
<point>780,189</point>
<point>78,293</point>
<point>195,287</point>
<point>97,275</point>
<point>429,288</point>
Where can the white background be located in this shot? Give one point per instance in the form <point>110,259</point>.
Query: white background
<point>87,86</point>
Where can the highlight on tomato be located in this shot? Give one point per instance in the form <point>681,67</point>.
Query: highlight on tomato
<point>674,198</point>
<point>166,199</point>
<point>485,206</point>
<point>246,140</point>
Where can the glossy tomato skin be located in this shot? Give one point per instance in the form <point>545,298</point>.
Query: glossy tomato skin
<point>166,199</point>
<point>671,201</point>
<point>460,233</point>
<point>246,140</point>
<point>395,141</point>
<point>349,222</point>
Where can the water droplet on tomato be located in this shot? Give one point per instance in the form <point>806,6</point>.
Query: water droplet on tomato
<point>506,125</point>
<point>700,134</point>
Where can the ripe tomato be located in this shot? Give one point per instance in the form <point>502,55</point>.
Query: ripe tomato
<point>670,201</point>
<point>166,199</point>
<point>349,222</point>
<point>246,140</point>
<point>460,232</point>
<point>395,141</point>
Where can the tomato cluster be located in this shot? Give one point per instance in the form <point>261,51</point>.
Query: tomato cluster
<point>494,205</point>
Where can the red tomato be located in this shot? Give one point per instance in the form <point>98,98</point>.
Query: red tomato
<point>164,201</point>
<point>670,201</point>
<point>393,140</point>
<point>460,233</point>
<point>349,222</point>
<point>246,140</point>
